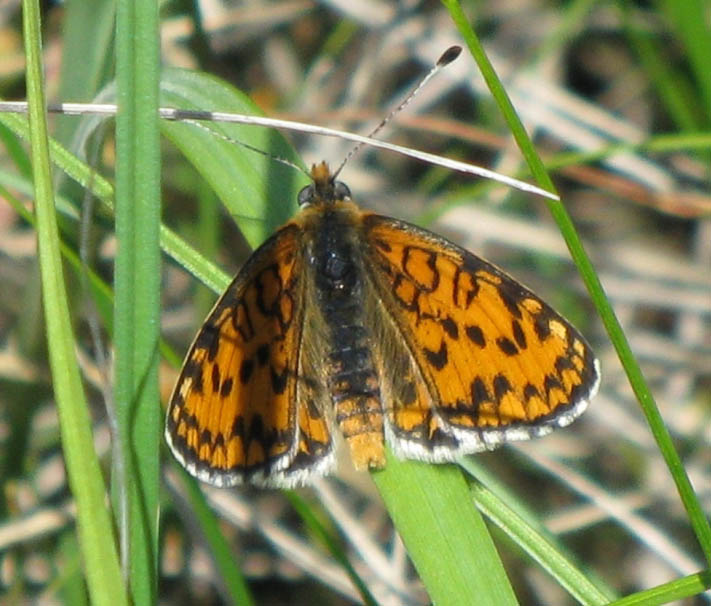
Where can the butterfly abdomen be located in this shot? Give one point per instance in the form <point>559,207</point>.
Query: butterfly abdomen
<point>353,380</point>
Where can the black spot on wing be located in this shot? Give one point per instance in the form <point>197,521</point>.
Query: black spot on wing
<point>510,302</point>
<point>518,334</point>
<point>476,335</point>
<point>479,392</point>
<point>530,391</point>
<point>562,363</point>
<point>550,383</point>
<point>450,327</point>
<point>542,328</point>
<point>263,354</point>
<point>245,370</point>
<point>226,388</point>
<point>507,346</point>
<point>216,378</point>
<point>438,359</point>
<point>278,380</point>
<point>501,386</point>
<point>208,339</point>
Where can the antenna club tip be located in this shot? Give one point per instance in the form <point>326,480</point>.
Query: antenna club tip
<point>449,55</point>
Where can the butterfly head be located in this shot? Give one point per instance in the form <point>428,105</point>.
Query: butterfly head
<point>324,189</point>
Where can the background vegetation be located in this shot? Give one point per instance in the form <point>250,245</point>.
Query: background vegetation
<point>615,97</point>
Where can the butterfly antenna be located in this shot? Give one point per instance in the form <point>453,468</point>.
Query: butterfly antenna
<point>280,159</point>
<point>445,59</point>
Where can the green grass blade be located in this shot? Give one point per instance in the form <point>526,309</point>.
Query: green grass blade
<point>137,290</point>
<point>667,593</point>
<point>94,524</point>
<point>691,19</point>
<point>445,535</point>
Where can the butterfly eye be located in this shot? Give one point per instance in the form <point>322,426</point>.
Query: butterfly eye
<point>305,195</point>
<point>341,190</point>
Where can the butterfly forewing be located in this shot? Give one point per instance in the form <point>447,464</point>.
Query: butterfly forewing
<point>494,361</point>
<point>234,415</point>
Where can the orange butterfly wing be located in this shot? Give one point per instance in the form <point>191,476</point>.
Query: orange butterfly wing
<point>247,406</point>
<point>469,357</point>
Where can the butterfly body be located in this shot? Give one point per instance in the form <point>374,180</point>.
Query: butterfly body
<point>334,268</point>
<point>347,321</point>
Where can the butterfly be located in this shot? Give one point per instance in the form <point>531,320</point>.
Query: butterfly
<point>349,325</point>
